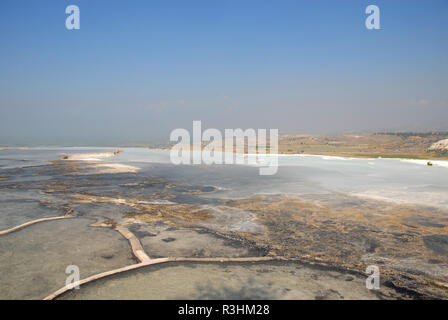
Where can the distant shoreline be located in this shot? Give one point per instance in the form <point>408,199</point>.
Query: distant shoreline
<point>409,157</point>
<point>409,146</point>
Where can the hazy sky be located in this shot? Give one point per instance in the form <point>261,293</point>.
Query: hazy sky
<point>138,69</point>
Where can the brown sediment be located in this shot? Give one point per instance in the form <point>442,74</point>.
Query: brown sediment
<point>343,231</point>
<point>354,233</point>
<point>108,223</point>
<point>326,232</point>
<point>154,262</point>
<point>4,178</point>
<point>29,223</point>
<point>170,213</point>
<point>146,211</point>
<point>65,168</point>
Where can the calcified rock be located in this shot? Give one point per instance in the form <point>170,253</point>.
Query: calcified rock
<point>112,168</point>
<point>441,145</point>
<point>90,156</point>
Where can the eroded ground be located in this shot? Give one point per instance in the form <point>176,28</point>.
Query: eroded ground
<point>330,238</point>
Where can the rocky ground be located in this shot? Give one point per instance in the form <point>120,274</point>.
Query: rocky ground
<point>327,233</point>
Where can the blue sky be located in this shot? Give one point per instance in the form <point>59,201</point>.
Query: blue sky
<point>138,69</point>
